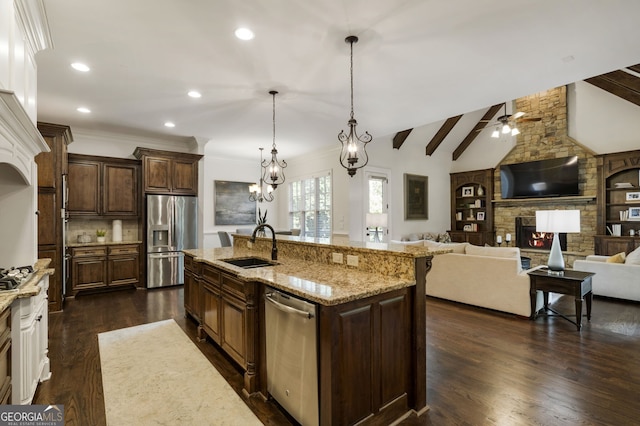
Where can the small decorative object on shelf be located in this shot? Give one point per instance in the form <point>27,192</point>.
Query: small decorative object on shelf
<point>507,239</point>
<point>101,235</point>
<point>480,191</point>
<point>499,240</point>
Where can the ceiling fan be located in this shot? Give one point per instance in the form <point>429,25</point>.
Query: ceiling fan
<point>507,123</point>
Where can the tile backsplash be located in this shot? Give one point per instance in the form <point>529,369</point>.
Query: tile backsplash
<point>76,227</point>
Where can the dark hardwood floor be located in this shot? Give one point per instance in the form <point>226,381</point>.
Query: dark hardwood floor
<point>484,367</point>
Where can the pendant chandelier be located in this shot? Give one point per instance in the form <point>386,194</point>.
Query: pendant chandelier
<point>273,172</point>
<point>353,154</point>
<point>257,192</point>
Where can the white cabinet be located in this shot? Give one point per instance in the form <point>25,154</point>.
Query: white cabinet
<point>30,344</point>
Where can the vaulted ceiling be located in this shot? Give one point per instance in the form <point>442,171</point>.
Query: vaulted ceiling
<point>417,62</point>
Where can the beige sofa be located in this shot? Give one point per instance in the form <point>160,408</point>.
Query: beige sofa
<point>619,280</point>
<point>488,277</point>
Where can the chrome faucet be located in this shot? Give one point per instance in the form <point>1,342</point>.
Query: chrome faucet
<point>274,248</point>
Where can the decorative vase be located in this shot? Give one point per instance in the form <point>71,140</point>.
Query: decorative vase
<point>101,239</point>
<point>480,191</point>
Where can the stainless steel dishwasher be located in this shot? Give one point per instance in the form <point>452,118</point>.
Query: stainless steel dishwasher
<point>292,356</point>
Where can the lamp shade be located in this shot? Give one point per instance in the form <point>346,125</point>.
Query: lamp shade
<point>558,221</point>
<point>376,220</point>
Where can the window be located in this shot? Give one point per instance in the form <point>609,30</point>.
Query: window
<point>310,206</point>
<point>377,199</point>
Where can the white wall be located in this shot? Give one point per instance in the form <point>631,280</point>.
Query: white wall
<point>601,121</point>
<point>216,168</point>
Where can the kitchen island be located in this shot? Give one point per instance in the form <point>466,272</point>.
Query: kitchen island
<point>371,329</point>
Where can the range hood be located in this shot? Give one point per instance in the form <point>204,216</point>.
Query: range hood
<point>20,142</point>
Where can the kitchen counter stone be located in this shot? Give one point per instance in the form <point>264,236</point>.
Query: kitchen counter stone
<point>106,243</point>
<point>318,282</point>
<point>29,288</point>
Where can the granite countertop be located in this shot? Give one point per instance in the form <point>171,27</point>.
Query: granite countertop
<point>318,282</point>
<point>106,243</point>
<point>29,288</point>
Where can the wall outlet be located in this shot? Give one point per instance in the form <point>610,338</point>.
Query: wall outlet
<point>337,257</point>
<point>352,260</point>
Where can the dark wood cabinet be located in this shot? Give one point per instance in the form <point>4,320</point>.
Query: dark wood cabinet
<point>84,187</point>
<point>618,193</point>
<point>365,348</point>
<point>5,357</point>
<point>102,267</point>
<point>166,172</point>
<point>123,265</point>
<point>472,208</point>
<point>88,268</point>
<point>52,171</point>
<point>228,314</point>
<point>103,186</point>
<point>192,289</point>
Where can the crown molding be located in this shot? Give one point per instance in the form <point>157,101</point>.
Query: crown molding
<point>32,17</point>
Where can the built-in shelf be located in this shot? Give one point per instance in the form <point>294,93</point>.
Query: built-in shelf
<point>547,200</point>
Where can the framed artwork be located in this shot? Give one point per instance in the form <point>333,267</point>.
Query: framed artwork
<point>634,213</point>
<point>416,200</point>
<point>480,216</point>
<point>231,203</point>
<point>633,197</point>
<point>467,191</point>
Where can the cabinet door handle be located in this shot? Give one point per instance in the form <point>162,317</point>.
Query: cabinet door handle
<point>39,318</point>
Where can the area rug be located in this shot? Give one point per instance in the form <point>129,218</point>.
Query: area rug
<point>153,374</point>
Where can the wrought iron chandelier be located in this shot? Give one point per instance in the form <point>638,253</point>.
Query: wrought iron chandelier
<point>273,172</point>
<point>257,192</point>
<point>353,154</point>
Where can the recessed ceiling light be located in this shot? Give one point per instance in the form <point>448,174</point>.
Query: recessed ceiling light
<point>83,110</point>
<point>194,94</point>
<point>244,34</point>
<point>79,66</point>
<point>169,124</point>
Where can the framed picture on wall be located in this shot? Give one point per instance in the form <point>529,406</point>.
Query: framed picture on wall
<point>480,216</point>
<point>232,205</point>
<point>416,201</point>
<point>467,191</point>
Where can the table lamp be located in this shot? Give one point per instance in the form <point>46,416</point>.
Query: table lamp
<point>377,221</point>
<point>557,221</point>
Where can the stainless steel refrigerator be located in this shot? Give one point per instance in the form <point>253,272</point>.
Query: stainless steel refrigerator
<point>171,227</point>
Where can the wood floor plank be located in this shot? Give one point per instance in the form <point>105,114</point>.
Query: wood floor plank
<point>483,367</point>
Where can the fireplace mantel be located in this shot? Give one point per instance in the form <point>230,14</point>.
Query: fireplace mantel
<point>546,200</point>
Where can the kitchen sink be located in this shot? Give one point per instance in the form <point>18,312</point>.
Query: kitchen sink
<point>250,262</point>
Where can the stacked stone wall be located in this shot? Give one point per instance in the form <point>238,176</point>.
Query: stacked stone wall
<point>541,140</point>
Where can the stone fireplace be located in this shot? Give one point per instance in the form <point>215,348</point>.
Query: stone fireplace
<point>540,140</point>
<point>527,238</point>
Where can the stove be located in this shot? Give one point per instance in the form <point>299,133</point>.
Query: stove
<point>13,277</point>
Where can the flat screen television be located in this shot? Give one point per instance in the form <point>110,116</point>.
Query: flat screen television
<point>556,177</point>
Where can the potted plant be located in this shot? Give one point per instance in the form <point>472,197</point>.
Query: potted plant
<point>101,235</point>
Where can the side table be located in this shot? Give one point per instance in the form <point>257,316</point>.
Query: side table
<point>576,283</point>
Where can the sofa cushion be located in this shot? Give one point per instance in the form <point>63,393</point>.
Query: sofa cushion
<point>508,252</point>
<point>456,247</point>
<point>407,243</point>
<point>633,258</point>
<point>617,258</point>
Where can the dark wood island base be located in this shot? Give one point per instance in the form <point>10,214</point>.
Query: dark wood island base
<point>371,350</point>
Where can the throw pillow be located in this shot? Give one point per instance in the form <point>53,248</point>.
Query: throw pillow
<point>617,258</point>
<point>415,237</point>
<point>633,258</point>
<point>431,236</point>
<point>444,238</point>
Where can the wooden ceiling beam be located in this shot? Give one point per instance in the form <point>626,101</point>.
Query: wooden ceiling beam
<point>635,68</point>
<point>476,130</point>
<point>400,137</point>
<point>441,134</point>
<point>619,83</point>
